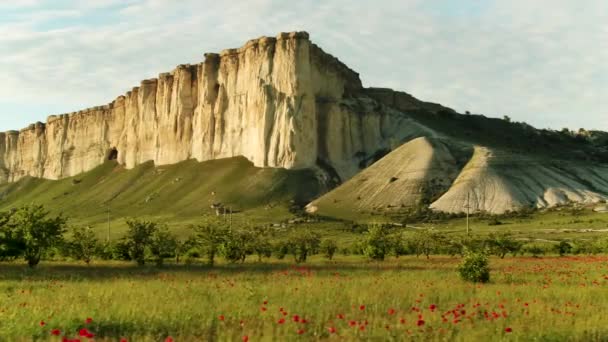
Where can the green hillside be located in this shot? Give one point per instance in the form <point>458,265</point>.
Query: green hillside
<point>176,194</point>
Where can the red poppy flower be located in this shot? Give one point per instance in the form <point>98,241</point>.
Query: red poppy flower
<point>331,330</point>
<point>352,323</point>
<point>124,340</point>
<point>245,338</point>
<point>55,332</point>
<point>391,311</point>
<point>42,323</point>
<point>508,330</point>
<point>301,332</point>
<point>420,322</point>
<point>281,321</point>
<point>340,316</point>
<point>362,307</point>
<point>88,320</point>
<point>84,333</point>
<point>263,308</point>
<point>432,307</point>
<point>169,339</point>
<point>221,317</point>
<point>402,321</point>
<point>362,328</point>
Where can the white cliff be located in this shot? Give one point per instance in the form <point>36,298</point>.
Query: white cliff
<point>280,102</point>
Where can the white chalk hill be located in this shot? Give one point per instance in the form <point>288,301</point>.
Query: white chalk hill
<point>428,172</point>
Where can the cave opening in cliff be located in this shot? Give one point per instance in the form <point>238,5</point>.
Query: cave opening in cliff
<point>113,154</point>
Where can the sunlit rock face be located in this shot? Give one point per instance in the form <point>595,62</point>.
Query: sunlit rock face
<point>278,101</point>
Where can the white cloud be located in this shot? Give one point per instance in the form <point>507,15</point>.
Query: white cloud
<point>532,60</point>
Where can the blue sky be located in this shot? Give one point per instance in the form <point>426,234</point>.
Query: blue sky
<point>543,61</point>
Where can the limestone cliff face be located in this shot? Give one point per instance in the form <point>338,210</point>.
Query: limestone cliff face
<point>280,102</point>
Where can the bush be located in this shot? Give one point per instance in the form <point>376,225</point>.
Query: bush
<point>83,245</point>
<point>162,245</point>
<point>535,249</point>
<point>563,248</point>
<point>475,267</point>
<point>500,244</point>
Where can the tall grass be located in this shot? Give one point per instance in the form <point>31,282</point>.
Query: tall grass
<point>348,299</point>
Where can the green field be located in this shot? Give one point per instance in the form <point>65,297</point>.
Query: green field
<point>542,299</point>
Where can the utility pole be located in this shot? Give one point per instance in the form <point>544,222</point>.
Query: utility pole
<point>230,213</point>
<point>468,206</point>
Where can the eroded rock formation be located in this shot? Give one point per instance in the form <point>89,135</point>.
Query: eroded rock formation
<point>280,102</point>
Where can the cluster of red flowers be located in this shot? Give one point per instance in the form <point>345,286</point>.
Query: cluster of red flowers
<point>82,333</point>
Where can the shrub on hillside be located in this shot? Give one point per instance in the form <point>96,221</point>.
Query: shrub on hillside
<point>475,267</point>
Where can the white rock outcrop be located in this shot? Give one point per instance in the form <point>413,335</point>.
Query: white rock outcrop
<point>280,102</point>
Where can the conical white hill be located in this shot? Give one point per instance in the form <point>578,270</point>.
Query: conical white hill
<point>420,168</point>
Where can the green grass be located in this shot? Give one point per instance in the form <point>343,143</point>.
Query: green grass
<point>566,301</point>
<point>178,194</point>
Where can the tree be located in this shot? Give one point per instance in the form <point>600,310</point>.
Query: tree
<point>500,244</point>
<point>84,244</point>
<point>182,247</point>
<point>10,248</point>
<point>427,241</point>
<point>301,244</point>
<point>377,242</point>
<point>32,232</point>
<point>328,247</point>
<point>139,238</point>
<point>506,118</point>
<point>211,236</point>
<point>237,245</point>
<point>162,244</point>
<point>260,243</point>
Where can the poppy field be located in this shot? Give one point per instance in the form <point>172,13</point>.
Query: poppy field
<point>349,299</point>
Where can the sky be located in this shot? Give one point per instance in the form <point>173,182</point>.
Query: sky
<point>544,62</point>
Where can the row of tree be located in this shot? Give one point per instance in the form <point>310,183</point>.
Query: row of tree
<point>31,233</point>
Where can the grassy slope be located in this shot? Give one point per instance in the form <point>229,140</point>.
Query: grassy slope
<point>177,194</point>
